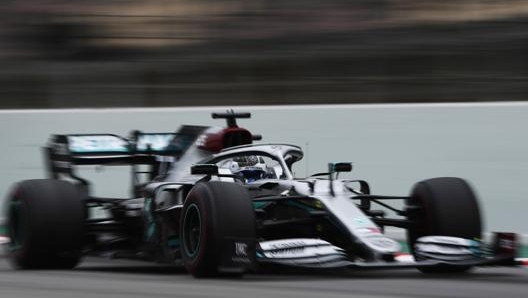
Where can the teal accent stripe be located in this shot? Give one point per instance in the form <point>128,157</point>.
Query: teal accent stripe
<point>523,253</point>
<point>259,205</point>
<point>2,230</point>
<point>404,246</point>
<point>173,242</point>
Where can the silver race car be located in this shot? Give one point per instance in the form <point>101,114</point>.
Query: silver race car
<point>213,201</point>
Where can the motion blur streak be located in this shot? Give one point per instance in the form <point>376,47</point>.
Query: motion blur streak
<point>75,53</point>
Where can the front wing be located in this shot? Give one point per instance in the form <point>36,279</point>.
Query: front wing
<point>440,251</point>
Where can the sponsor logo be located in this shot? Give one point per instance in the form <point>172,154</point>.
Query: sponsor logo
<point>287,245</point>
<point>305,252</point>
<point>433,248</point>
<point>241,253</point>
<point>369,230</point>
<point>154,141</point>
<point>291,243</point>
<point>382,242</point>
<point>288,252</point>
<point>445,240</point>
<point>99,143</point>
<point>241,249</point>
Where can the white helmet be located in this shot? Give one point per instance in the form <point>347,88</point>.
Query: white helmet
<point>251,167</point>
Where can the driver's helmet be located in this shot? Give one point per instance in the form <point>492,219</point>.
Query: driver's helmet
<point>251,168</point>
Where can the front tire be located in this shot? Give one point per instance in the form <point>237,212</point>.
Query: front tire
<point>446,207</point>
<point>45,220</point>
<point>214,212</point>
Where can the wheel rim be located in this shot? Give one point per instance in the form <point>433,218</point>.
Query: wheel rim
<point>192,230</point>
<point>16,225</point>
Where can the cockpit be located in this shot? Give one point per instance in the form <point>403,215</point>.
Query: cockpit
<point>258,162</point>
<point>251,167</point>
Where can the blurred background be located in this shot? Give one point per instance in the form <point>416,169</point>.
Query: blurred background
<point>77,53</point>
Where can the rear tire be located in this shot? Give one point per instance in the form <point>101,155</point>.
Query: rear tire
<point>211,213</point>
<point>446,207</point>
<point>45,220</point>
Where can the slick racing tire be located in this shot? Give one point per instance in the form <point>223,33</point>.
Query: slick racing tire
<point>45,221</point>
<point>214,213</point>
<point>443,206</point>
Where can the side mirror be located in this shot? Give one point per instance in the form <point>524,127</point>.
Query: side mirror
<point>342,167</point>
<point>204,169</point>
<point>339,167</point>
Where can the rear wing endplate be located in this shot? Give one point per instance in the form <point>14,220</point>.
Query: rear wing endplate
<point>63,152</point>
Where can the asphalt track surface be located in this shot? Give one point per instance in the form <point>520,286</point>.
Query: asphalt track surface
<point>116,278</point>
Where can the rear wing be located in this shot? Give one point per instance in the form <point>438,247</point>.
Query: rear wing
<point>64,152</point>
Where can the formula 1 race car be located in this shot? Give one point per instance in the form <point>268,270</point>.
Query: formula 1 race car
<point>209,199</point>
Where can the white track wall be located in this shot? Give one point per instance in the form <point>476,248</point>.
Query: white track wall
<point>391,146</point>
